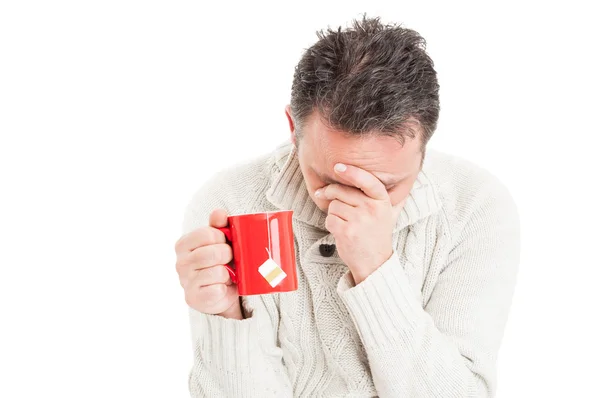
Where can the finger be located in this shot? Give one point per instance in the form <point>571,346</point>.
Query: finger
<point>350,195</point>
<point>209,256</point>
<point>218,218</point>
<point>211,276</point>
<point>334,224</point>
<point>363,180</point>
<point>204,257</point>
<point>341,209</point>
<point>206,298</point>
<point>397,209</point>
<point>212,299</point>
<point>200,237</point>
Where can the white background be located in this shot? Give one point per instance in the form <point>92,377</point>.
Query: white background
<point>112,113</point>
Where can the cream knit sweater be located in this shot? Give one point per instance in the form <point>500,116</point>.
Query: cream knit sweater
<point>427,323</point>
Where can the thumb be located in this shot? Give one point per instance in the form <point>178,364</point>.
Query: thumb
<point>218,218</point>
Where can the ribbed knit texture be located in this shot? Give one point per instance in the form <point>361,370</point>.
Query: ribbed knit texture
<point>427,323</point>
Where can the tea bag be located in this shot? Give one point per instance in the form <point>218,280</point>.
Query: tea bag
<point>270,270</point>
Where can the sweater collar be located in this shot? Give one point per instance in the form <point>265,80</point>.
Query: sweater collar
<point>288,192</point>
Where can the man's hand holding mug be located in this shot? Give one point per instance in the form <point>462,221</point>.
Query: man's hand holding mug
<point>246,254</point>
<point>201,258</point>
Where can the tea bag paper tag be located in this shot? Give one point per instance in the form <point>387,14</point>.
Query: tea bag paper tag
<point>269,269</point>
<point>272,272</point>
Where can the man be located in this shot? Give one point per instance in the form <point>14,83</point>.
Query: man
<point>406,259</point>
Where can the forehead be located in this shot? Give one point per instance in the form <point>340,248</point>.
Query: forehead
<point>384,156</point>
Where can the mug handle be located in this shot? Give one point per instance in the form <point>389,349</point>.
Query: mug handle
<point>227,232</point>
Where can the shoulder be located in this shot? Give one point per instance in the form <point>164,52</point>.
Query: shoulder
<point>234,188</point>
<point>469,193</point>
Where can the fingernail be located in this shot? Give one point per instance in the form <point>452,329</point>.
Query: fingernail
<point>340,167</point>
<point>317,193</point>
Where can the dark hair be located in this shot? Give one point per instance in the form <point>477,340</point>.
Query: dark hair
<point>369,78</point>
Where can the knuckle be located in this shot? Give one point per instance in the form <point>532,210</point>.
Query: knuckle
<point>351,233</point>
<point>228,254</point>
<point>208,236</point>
<point>373,184</point>
<point>371,204</point>
<point>329,222</point>
<point>222,274</point>
<point>179,266</point>
<point>214,274</point>
<point>212,255</point>
<point>199,298</point>
<point>191,299</point>
<point>177,245</point>
<point>213,235</point>
<point>219,254</point>
<point>334,205</point>
<point>211,275</point>
<point>204,298</point>
<point>182,263</point>
<point>180,243</point>
<point>371,211</point>
<point>213,293</point>
<point>221,290</point>
<point>217,236</point>
<point>222,254</point>
<point>203,256</point>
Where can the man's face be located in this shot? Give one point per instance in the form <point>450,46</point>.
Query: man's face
<point>395,165</point>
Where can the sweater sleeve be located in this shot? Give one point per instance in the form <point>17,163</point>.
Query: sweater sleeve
<point>447,348</point>
<point>233,358</point>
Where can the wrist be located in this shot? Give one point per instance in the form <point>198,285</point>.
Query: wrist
<point>233,312</point>
<point>359,274</point>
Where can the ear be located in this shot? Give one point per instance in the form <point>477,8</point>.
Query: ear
<point>288,113</point>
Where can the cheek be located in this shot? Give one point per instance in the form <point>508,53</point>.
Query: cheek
<point>312,185</point>
<point>311,181</point>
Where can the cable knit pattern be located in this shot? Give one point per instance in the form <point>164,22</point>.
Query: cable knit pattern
<point>427,323</point>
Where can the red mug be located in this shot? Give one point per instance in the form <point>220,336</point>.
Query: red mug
<point>264,256</point>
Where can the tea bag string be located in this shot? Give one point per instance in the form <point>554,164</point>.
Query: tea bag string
<point>269,236</point>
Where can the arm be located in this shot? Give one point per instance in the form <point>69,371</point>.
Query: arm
<point>233,358</point>
<point>448,348</point>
